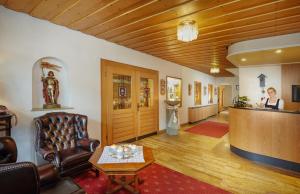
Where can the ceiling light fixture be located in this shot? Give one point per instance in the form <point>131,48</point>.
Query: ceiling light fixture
<point>214,69</point>
<point>187,31</point>
<point>278,51</point>
<point>243,59</point>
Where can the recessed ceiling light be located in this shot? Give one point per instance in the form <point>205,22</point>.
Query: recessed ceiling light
<point>278,51</point>
<point>243,59</point>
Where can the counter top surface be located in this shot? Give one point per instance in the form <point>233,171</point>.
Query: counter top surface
<point>268,110</point>
<point>199,106</point>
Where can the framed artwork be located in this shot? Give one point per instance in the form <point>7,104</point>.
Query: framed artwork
<point>162,87</point>
<point>190,89</point>
<point>197,93</point>
<point>210,93</point>
<point>204,90</point>
<point>122,92</point>
<point>174,89</point>
<point>216,91</point>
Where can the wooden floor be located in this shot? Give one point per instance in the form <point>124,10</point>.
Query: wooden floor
<point>210,160</point>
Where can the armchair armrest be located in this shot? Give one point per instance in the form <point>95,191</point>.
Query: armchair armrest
<point>47,154</point>
<point>88,144</point>
<point>48,174</point>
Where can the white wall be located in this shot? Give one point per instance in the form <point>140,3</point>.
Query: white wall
<point>24,40</point>
<point>249,83</point>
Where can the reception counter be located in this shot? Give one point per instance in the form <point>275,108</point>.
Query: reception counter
<point>268,136</point>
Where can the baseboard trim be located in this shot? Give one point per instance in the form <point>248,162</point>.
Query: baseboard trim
<point>161,131</point>
<point>266,159</point>
<point>184,124</point>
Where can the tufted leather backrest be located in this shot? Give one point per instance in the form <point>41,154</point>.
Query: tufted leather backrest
<point>60,130</point>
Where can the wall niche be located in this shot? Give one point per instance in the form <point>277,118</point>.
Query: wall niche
<point>60,70</point>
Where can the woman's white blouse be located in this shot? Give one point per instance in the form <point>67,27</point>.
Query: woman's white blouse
<point>280,106</point>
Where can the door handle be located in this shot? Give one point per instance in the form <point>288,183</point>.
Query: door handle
<point>138,107</point>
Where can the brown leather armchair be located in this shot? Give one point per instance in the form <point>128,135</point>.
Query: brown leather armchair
<point>29,178</point>
<point>63,140</point>
<point>24,177</point>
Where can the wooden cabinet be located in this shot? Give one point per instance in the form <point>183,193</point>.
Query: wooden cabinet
<point>5,124</point>
<point>202,112</point>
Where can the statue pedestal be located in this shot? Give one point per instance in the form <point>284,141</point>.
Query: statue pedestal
<point>51,106</point>
<point>172,120</point>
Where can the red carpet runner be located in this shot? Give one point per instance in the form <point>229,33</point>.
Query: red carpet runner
<point>209,128</point>
<point>157,180</point>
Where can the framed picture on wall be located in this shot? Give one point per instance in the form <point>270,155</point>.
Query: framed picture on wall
<point>210,93</point>
<point>122,92</point>
<point>216,91</point>
<point>162,87</point>
<point>197,93</point>
<point>190,89</point>
<point>174,89</point>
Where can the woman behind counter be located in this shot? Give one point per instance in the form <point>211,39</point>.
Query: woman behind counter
<point>273,101</point>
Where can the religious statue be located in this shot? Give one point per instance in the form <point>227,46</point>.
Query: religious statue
<point>50,86</point>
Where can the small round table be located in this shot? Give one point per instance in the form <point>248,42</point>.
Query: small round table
<point>123,170</point>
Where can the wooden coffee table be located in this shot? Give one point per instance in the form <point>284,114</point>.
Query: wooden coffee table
<point>123,170</point>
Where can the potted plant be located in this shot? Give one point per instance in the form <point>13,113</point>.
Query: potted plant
<point>242,102</point>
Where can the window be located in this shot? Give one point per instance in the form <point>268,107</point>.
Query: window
<point>121,91</point>
<point>146,92</point>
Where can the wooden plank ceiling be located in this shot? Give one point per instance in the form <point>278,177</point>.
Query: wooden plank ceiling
<point>150,25</point>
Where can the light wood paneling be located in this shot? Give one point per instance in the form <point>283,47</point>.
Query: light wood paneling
<point>148,116</point>
<point>49,9</point>
<point>80,10</point>
<point>150,25</point>
<point>290,76</point>
<point>122,124</point>
<point>147,10</point>
<point>21,5</point>
<point>106,13</point>
<point>273,134</point>
<point>202,112</point>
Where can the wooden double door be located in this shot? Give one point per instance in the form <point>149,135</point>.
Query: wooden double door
<point>129,102</point>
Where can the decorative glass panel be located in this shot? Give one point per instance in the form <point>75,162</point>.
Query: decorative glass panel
<point>121,91</point>
<point>146,92</point>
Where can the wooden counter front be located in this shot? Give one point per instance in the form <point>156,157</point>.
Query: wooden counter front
<point>268,133</point>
